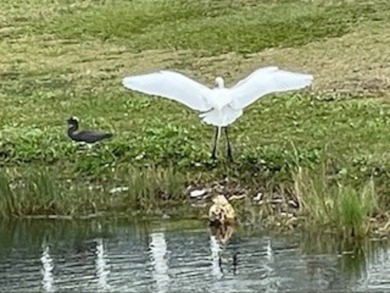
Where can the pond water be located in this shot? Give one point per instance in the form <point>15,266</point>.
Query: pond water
<point>180,257</point>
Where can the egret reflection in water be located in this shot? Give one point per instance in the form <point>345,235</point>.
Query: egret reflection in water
<point>47,270</point>
<point>102,269</point>
<point>158,248</point>
<point>220,237</point>
<point>216,261</point>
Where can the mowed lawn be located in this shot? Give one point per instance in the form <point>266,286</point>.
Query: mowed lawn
<point>63,58</point>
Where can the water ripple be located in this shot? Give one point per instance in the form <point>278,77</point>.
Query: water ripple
<point>194,261</point>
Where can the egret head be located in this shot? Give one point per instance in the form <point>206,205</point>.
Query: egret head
<point>219,82</point>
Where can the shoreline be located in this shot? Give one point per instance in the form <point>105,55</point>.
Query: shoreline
<point>303,201</point>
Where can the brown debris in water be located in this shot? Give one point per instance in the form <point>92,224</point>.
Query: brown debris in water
<point>273,209</point>
<point>221,212</point>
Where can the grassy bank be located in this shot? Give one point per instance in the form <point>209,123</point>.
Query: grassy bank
<point>303,201</point>
<point>40,193</point>
<point>59,59</point>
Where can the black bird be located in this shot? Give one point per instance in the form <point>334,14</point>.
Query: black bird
<point>87,136</point>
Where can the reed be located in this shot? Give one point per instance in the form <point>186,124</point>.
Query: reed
<point>327,203</point>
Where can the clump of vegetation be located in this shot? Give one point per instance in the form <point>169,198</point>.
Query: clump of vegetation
<point>317,199</point>
<point>345,208</point>
<point>40,193</point>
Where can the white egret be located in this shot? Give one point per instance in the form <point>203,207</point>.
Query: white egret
<point>220,106</point>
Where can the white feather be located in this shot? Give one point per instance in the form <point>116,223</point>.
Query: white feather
<point>266,81</point>
<point>222,117</point>
<point>171,85</point>
<point>222,106</point>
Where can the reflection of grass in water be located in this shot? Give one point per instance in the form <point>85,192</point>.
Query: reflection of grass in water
<point>363,255</point>
<point>65,234</point>
<point>354,255</point>
<point>354,265</point>
<point>177,224</point>
<point>16,233</point>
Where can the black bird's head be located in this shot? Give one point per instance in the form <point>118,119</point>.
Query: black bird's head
<point>73,122</point>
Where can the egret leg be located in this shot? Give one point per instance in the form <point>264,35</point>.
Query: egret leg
<point>229,147</point>
<point>214,151</point>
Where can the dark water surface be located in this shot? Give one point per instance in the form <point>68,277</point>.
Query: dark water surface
<point>41,256</point>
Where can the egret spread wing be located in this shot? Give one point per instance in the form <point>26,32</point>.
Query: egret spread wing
<point>171,85</point>
<point>265,81</point>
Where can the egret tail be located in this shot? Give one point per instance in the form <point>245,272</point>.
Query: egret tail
<point>222,117</point>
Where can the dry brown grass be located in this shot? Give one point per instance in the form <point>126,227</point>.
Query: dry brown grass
<point>356,63</point>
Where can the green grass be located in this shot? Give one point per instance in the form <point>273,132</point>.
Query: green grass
<point>325,202</point>
<point>212,27</point>
<point>41,193</point>
<point>348,209</point>
<point>61,58</point>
